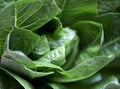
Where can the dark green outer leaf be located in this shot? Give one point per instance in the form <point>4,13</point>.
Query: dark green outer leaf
<point>24,13</point>
<point>110,22</point>
<point>106,6</point>
<point>7,82</point>
<point>112,34</point>
<point>21,81</point>
<point>3,35</point>
<point>11,17</point>
<point>77,10</point>
<point>37,17</point>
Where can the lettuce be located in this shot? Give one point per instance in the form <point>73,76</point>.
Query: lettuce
<point>59,44</point>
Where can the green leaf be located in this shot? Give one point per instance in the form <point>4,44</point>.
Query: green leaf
<point>77,10</point>
<point>7,82</point>
<point>56,56</point>
<point>27,14</point>
<point>84,70</point>
<point>105,6</point>
<point>84,84</point>
<point>22,40</point>
<point>61,37</point>
<point>45,67</point>
<point>111,31</point>
<point>110,23</point>
<point>3,35</point>
<point>90,32</point>
<point>24,13</point>
<point>40,49</point>
<point>58,36</point>
<point>35,14</point>
<point>21,69</point>
<point>61,3</point>
<point>25,84</point>
<point>19,57</point>
<point>21,64</point>
<point>92,37</point>
<point>111,48</point>
<point>71,56</point>
<point>107,83</point>
<point>56,86</point>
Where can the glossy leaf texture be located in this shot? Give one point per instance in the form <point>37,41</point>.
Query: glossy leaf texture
<point>23,13</point>
<point>59,44</point>
<point>83,70</point>
<point>17,60</point>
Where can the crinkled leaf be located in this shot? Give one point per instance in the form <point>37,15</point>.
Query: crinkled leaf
<point>57,56</point>
<point>58,36</point>
<point>61,37</point>
<point>40,49</point>
<point>35,14</point>
<point>68,37</point>
<point>26,14</point>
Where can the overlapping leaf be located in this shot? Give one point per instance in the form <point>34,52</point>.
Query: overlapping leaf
<point>39,50</point>
<point>27,14</point>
